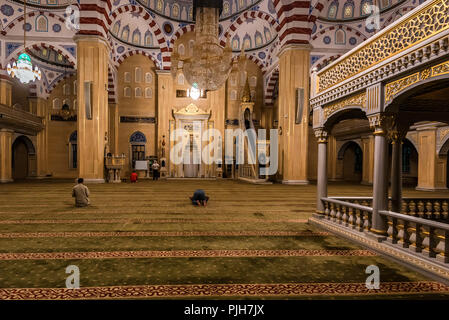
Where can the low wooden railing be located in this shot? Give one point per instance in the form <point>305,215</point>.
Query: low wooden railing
<point>430,238</point>
<point>416,230</point>
<point>436,209</point>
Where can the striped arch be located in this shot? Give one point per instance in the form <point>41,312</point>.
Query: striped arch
<point>127,54</point>
<point>273,50</point>
<point>341,26</point>
<point>242,18</point>
<point>296,20</point>
<point>112,85</point>
<point>254,59</point>
<point>19,20</point>
<point>269,88</point>
<point>39,46</point>
<point>55,83</point>
<point>154,27</point>
<point>324,62</point>
<point>178,34</point>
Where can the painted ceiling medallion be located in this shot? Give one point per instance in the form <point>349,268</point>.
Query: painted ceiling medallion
<point>210,64</point>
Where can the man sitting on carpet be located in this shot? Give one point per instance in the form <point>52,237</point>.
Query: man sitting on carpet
<point>81,194</point>
<point>199,198</point>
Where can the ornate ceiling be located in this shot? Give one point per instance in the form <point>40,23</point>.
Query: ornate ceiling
<point>151,27</point>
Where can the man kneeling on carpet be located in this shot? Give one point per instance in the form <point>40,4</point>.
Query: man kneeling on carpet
<point>199,198</point>
<point>81,194</point>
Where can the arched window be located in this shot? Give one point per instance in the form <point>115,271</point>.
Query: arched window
<point>66,89</point>
<point>348,10</point>
<point>235,43</point>
<point>340,37</point>
<point>136,37</point>
<point>125,34</point>
<point>138,74</point>
<point>385,3</point>
<point>247,44</point>
<point>181,49</point>
<point>258,39</point>
<point>366,7</point>
<point>148,39</point>
<point>127,92</point>
<point>116,28</point>
<point>181,79</point>
<point>127,77</point>
<point>138,142</point>
<point>267,33</point>
<point>73,150</point>
<point>253,81</point>
<point>148,93</point>
<point>41,24</point>
<point>175,11</point>
<point>74,105</point>
<point>226,8</point>
<point>56,103</point>
<point>148,77</point>
<point>138,92</point>
<point>333,8</point>
<point>233,95</point>
<point>160,5</point>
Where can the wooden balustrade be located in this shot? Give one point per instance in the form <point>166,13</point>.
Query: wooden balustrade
<point>416,229</point>
<point>420,235</point>
<point>352,215</point>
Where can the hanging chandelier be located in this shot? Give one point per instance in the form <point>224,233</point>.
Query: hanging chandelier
<point>23,68</point>
<point>210,64</point>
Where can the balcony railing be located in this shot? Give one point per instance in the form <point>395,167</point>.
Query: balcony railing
<point>414,230</point>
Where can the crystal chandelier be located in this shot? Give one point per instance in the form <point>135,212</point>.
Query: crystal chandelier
<point>210,64</point>
<point>23,68</point>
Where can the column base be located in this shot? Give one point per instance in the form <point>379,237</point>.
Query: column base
<point>6,180</point>
<point>374,236</point>
<point>431,189</point>
<point>296,182</point>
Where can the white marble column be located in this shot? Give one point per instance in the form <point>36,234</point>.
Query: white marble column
<point>322,169</point>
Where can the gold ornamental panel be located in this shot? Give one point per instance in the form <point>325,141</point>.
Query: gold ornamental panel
<point>430,20</point>
<point>357,100</point>
<point>395,87</point>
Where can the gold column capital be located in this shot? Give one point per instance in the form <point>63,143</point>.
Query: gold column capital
<point>321,135</point>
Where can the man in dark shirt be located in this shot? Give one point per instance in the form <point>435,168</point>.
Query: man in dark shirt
<point>199,198</point>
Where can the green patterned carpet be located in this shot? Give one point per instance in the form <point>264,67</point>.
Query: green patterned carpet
<point>146,240</point>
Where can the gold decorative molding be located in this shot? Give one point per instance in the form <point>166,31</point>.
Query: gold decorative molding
<point>443,134</point>
<point>356,100</point>
<point>191,110</point>
<point>417,28</point>
<point>395,87</point>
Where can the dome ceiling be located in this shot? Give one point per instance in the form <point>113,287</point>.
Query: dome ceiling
<point>343,10</point>
<point>46,3</point>
<point>49,56</point>
<point>181,10</point>
<point>131,28</point>
<point>253,34</point>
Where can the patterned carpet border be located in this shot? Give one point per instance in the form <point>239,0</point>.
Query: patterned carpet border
<point>182,254</point>
<point>143,221</point>
<point>222,290</point>
<point>87,234</point>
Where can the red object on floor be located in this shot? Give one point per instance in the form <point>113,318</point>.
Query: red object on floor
<point>133,177</point>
